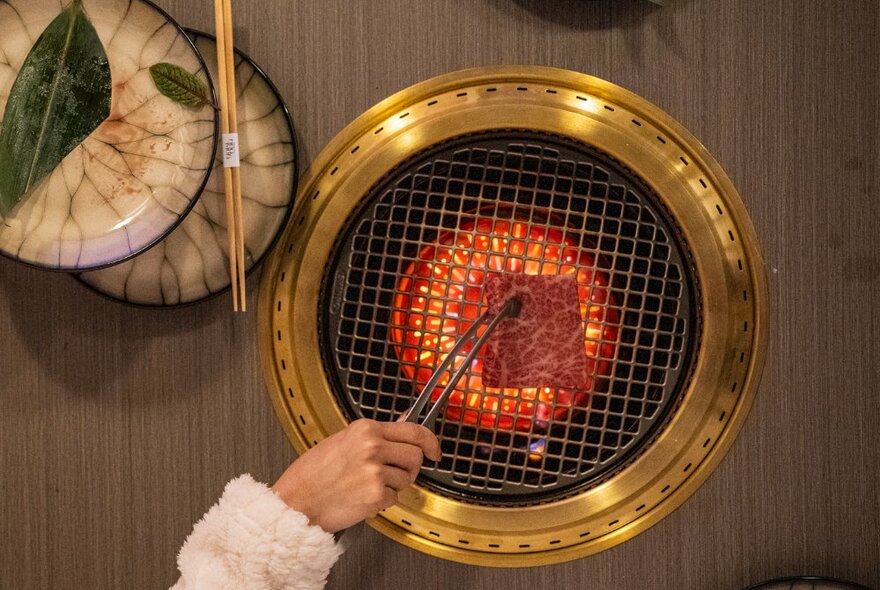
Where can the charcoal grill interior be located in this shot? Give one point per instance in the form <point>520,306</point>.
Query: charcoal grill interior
<point>530,170</point>
<point>413,258</point>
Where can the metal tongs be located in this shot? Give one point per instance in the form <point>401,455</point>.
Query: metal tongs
<point>510,309</point>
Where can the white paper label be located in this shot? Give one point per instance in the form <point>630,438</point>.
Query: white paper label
<point>230,150</point>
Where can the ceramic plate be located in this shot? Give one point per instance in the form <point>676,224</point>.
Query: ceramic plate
<point>136,176</point>
<point>192,262</point>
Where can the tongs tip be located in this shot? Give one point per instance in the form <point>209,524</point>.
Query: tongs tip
<point>515,306</point>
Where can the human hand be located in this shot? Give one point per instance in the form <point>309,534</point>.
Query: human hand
<point>355,473</point>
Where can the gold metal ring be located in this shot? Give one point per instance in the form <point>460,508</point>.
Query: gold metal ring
<point>699,197</point>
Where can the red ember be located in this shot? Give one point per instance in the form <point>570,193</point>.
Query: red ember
<point>440,295</point>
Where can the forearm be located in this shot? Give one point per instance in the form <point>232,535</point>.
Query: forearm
<point>252,539</point>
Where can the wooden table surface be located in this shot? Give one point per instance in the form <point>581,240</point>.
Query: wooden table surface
<point>120,426</point>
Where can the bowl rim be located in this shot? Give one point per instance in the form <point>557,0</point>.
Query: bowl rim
<point>783,579</point>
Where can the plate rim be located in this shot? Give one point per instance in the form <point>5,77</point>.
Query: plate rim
<point>186,211</point>
<point>192,34</point>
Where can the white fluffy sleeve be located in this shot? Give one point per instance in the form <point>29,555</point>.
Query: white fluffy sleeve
<point>252,540</point>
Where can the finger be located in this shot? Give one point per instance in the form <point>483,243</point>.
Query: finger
<point>389,499</point>
<point>414,434</point>
<point>396,478</point>
<point>405,456</point>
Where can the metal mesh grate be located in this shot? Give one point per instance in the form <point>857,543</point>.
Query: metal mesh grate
<point>405,280</point>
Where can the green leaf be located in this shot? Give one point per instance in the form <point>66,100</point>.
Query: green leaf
<point>61,94</point>
<point>179,85</point>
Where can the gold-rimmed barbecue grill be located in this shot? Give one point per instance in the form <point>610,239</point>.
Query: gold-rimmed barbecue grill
<point>521,170</point>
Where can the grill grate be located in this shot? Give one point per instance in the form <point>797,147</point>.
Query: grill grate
<point>405,280</point>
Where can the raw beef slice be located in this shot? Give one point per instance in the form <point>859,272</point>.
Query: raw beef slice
<point>544,346</point>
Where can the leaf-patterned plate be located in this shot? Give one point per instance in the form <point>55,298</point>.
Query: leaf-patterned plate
<point>192,263</point>
<point>138,174</point>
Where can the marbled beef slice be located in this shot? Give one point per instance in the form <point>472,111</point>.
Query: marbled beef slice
<point>544,346</point>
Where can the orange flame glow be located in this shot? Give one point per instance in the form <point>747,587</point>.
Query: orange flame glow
<point>441,295</point>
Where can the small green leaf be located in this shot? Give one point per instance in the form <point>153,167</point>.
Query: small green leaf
<point>61,94</point>
<point>179,85</point>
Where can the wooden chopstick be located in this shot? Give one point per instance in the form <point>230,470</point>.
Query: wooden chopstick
<point>233,128</point>
<point>231,173</point>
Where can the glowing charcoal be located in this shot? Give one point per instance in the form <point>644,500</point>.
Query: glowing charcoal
<point>463,255</point>
<point>544,346</point>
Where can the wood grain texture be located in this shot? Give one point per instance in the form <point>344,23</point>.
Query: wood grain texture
<point>120,426</point>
